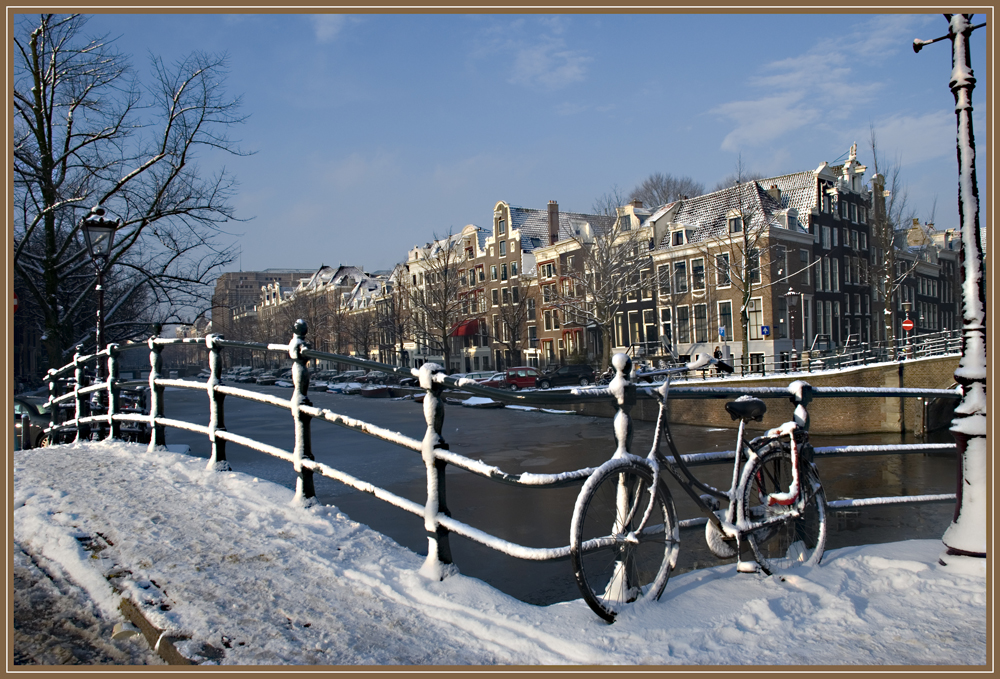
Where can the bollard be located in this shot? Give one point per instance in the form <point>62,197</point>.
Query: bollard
<point>438,545</point>
<point>216,418</point>
<point>157,435</point>
<point>305,491</point>
<point>114,393</point>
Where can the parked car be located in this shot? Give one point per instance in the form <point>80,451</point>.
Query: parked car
<point>522,377</point>
<point>580,374</point>
<point>372,377</point>
<point>32,407</point>
<point>496,381</point>
<point>482,375</point>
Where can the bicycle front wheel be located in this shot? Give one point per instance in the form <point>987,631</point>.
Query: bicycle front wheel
<point>624,538</point>
<point>800,536</point>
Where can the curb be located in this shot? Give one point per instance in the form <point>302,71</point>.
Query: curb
<point>157,639</point>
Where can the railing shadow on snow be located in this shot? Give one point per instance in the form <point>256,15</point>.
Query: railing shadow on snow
<point>434,450</point>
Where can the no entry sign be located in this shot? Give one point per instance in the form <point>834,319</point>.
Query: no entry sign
<point>15,301</point>
<point>907,325</point>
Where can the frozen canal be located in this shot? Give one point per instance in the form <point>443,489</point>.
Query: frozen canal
<point>519,441</point>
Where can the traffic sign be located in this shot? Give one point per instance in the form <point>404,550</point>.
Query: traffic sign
<point>722,331</point>
<point>765,330</point>
<point>15,301</point>
<point>907,325</point>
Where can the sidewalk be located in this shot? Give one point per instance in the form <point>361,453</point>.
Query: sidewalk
<point>236,575</point>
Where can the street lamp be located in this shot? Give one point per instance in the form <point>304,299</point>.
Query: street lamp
<point>99,233</point>
<point>791,302</point>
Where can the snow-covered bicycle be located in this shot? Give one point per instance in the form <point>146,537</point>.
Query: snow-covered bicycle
<point>624,536</point>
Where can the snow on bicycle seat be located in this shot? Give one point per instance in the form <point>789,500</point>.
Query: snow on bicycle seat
<point>746,408</point>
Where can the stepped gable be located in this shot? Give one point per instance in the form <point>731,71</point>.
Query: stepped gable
<point>534,225</point>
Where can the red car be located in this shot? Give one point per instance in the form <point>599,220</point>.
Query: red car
<point>521,377</point>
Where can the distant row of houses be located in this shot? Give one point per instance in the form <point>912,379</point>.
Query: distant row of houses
<point>703,273</point>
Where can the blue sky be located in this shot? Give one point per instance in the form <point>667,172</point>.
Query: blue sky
<point>377,132</point>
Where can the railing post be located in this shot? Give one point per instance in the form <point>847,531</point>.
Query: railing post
<point>438,545</point>
<point>217,414</point>
<point>114,392</point>
<point>305,491</point>
<point>623,389</point>
<point>157,435</point>
<point>54,409</point>
<point>82,404</point>
<point>801,396</point>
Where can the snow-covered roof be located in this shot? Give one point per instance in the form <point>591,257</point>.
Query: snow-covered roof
<point>534,225</point>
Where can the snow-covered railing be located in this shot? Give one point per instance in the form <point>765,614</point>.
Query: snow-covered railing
<point>433,449</point>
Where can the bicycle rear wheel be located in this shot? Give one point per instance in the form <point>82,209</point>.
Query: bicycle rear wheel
<point>799,539</point>
<point>616,563</point>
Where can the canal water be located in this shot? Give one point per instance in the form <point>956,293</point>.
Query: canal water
<point>520,441</point>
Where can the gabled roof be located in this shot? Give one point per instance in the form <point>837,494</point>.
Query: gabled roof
<point>798,190</point>
<point>534,225</point>
<point>707,215</point>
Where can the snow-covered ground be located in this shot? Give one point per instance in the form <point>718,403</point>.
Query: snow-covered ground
<point>226,560</point>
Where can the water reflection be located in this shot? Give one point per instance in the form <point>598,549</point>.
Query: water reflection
<point>542,443</point>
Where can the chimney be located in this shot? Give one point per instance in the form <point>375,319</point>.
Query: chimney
<point>553,222</point>
<point>636,203</point>
<point>775,193</point>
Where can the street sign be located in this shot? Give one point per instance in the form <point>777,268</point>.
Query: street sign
<point>722,331</point>
<point>15,301</point>
<point>765,330</point>
<point>907,325</point>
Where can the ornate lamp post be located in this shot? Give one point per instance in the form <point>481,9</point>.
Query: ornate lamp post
<point>99,234</point>
<point>967,534</point>
<point>791,303</point>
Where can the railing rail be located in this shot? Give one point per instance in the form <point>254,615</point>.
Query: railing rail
<point>432,447</point>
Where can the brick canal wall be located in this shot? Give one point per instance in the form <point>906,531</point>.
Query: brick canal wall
<point>827,415</point>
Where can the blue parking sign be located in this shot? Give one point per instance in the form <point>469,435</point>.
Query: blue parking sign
<point>722,331</point>
<point>765,330</point>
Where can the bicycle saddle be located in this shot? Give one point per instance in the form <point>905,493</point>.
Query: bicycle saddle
<point>746,408</point>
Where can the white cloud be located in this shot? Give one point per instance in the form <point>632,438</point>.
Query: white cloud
<point>548,64</point>
<point>914,139</point>
<point>328,26</point>
<point>830,82</point>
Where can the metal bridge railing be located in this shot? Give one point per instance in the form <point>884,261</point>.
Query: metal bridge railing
<point>432,447</point>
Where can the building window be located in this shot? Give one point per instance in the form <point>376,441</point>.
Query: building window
<point>626,222</point>
<point>680,277</point>
<point>753,266</point>
<point>722,270</point>
<point>547,319</point>
<point>677,238</point>
<point>836,234</point>
<point>501,227</point>
<point>826,275</point>
<point>683,329</point>
<point>531,308</point>
<point>755,313</point>
<point>735,224</point>
<point>835,274</point>
<point>496,296</point>
<point>698,274</point>
<point>493,272</point>
<point>700,322</point>
<point>804,263</point>
<point>863,214</point>
<point>548,270</point>
<point>665,324</point>
<point>824,241</point>
<point>663,279</point>
<point>854,213</point>
<point>854,240</point>
<point>482,273</point>
<point>505,296</point>
<point>515,296</point>
<point>503,248</point>
<point>726,318</point>
<point>503,272</point>
<point>513,269</point>
<point>646,284</point>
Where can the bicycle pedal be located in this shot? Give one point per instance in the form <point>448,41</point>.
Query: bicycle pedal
<point>747,567</point>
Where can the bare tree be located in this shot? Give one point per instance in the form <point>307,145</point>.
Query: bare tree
<point>659,189</point>
<point>436,300</point>
<point>740,175</point>
<point>87,133</point>
<point>513,317</point>
<point>890,214</point>
<point>612,254</point>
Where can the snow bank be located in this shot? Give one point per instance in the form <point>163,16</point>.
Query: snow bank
<point>227,559</point>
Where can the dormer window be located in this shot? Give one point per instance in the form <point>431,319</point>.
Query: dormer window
<point>677,238</point>
<point>735,225</point>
